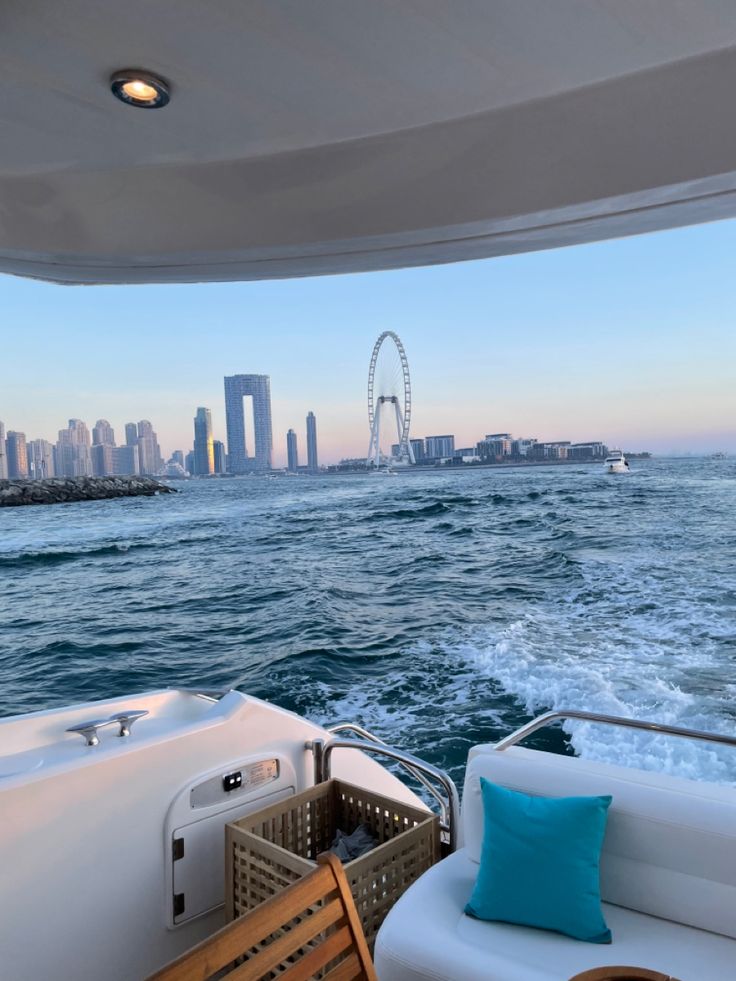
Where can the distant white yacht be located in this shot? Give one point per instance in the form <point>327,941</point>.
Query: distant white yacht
<point>616,462</point>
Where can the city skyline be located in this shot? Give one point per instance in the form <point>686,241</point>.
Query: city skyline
<point>630,342</point>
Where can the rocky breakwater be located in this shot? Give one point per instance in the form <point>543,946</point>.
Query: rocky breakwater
<point>62,490</point>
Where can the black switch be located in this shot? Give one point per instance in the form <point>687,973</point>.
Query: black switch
<point>231,781</point>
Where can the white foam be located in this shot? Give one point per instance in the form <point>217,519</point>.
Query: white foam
<point>543,665</point>
<point>552,659</point>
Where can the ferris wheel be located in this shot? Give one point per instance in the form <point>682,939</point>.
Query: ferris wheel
<point>389,391</point>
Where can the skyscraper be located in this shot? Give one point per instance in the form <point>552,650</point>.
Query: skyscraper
<point>220,459</point>
<point>15,446</point>
<point>102,459</point>
<point>131,434</point>
<point>3,457</point>
<point>149,453</point>
<point>204,450</point>
<point>438,447</point>
<point>237,387</point>
<point>291,452</point>
<point>418,449</point>
<point>73,456</point>
<point>103,434</point>
<point>41,459</point>
<point>312,462</point>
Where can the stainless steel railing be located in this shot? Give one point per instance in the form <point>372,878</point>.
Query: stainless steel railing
<point>322,751</point>
<point>612,720</point>
<point>417,774</point>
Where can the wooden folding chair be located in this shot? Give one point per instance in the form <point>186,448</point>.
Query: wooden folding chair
<point>309,926</point>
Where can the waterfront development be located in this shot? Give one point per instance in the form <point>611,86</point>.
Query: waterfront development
<point>441,611</point>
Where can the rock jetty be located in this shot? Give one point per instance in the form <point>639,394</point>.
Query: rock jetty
<point>59,490</point>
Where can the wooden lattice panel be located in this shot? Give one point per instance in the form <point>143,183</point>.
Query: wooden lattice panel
<point>269,850</point>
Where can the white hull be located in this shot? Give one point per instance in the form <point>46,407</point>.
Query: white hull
<point>88,878</point>
<point>617,468</point>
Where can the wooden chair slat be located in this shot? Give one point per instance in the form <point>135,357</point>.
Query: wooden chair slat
<point>219,950</point>
<point>347,970</point>
<point>327,885</point>
<point>296,938</point>
<point>319,957</point>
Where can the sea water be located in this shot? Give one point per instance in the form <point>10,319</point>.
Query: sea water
<point>439,609</point>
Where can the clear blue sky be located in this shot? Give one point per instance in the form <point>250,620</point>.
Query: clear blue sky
<point>632,342</point>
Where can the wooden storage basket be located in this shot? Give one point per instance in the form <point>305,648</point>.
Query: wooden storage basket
<point>272,848</point>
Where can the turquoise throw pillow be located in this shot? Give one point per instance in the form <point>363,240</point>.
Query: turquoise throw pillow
<point>539,862</point>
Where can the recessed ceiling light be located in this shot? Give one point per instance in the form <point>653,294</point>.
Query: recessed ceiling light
<point>140,88</point>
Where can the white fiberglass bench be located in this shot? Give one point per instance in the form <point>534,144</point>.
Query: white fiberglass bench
<point>668,883</point>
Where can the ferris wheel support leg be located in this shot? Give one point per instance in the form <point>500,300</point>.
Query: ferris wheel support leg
<point>374,451</point>
<point>405,450</point>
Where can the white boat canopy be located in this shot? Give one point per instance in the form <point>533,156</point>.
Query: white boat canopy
<point>306,137</point>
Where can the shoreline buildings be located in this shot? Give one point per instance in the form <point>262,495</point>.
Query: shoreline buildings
<point>258,388</point>
<point>494,448</point>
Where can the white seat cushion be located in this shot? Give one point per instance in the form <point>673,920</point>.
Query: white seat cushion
<point>427,935</point>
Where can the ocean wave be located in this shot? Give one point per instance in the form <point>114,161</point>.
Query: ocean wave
<point>403,514</point>
<point>441,610</point>
<point>54,557</point>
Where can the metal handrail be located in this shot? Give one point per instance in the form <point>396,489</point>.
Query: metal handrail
<point>419,777</point>
<point>365,746</point>
<point>612,720</point>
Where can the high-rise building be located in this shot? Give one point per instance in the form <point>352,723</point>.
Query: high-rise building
<point>125,460</point>
<point>3,457</point>
<point>220,458</point>
<point>238,387</point>
<point>149,452</point>
<point>41,459</point>
<point>103,434</point>
<point>204,450</point>
<point>440,447</point>
<point>292,455</point>
<point>587,451</point>
<point>189,462</point>
<point>102,459</point>
<point>73,451</point>
<point>17,453</point>
<point>178,457</point>
<point>131,434</point>
<point>312,461</point>
<point>418,449</point>
<point>495,447</point>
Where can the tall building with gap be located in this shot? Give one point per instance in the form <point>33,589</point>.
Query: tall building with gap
<point>312,461</point>
<point>258,388</point>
